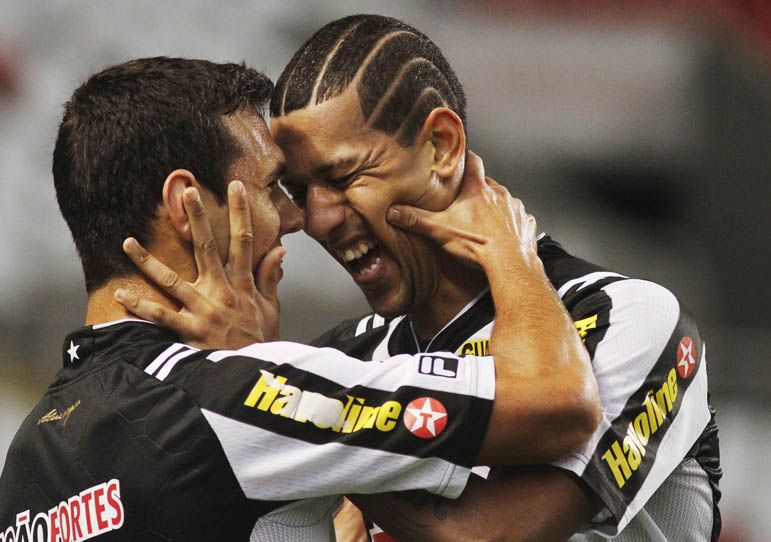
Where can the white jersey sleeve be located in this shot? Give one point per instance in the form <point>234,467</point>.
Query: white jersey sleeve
<point>650,365</point>
<point>296,421</point>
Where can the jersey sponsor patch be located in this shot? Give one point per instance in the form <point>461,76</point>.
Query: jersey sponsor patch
<point>687,359</point>
<point>425,417</point>
<point>438,366</point>
<point>476,347</point>
<point>93,512</point>
<point>584,325</point>
<point>272,394</point>
<point>624,455</point>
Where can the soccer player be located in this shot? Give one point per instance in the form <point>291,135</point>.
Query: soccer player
<point>142,436</point>
<point>369,114</point>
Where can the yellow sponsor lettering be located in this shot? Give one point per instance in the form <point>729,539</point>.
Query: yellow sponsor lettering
<point>477,347</point>
<point>633,456</point>
<point>624,456</point>
<point>265,390</point>
<point>616,460</point>
<point>642,428</point>
<point>389,413</point>
<point>583,326</point>
<point>272,394</point>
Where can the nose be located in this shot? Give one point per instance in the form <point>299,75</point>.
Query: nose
<point>324,210</point>
<point>292,217</point>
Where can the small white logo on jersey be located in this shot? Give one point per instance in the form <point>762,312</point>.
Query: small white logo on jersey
<point>439,366</point>
<point>73,351</point>
<point>686,357</point>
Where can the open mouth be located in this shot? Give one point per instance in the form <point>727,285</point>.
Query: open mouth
<point>362,259</point>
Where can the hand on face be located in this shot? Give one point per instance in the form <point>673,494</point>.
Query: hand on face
<point>227,306</point>
<point>482,221</point>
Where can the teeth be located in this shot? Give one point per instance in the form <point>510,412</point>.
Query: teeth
<point>357,252</point>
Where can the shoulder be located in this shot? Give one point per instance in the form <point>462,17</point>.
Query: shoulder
<point>606,304</point>
<point>358,337</point>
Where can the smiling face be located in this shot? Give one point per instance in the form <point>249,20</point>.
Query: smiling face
<point>259,167</point>
<point>346,175</point>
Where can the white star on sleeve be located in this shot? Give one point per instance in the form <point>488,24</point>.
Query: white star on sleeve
<point>73,351</point>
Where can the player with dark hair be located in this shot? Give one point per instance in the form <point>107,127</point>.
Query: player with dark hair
<point>144,437</point>
<point>370,114</point>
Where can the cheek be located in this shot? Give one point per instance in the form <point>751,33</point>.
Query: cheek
<point>265,222</point>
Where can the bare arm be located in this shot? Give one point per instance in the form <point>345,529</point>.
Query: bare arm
<point>522,504</point>
<point>547,402</point>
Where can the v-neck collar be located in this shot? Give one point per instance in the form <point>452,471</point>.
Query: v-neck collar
<point>477,313</point>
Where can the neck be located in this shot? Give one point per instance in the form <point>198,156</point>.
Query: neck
<point>102,306</point>
<point>457,286</point>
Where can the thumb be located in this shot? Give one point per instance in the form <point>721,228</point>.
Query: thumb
<point>416,220</point>
<point>269,273</point>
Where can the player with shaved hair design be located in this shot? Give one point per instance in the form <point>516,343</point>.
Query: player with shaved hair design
<point>371,119</point>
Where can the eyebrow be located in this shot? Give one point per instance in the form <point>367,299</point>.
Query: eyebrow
<point>325,170</point>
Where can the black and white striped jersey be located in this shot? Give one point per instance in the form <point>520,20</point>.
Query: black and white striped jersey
<point>655,455</point>
<point>141,437</point>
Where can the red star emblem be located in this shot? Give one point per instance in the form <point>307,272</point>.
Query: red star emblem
<point>686,357</point>
<point>425,417</point>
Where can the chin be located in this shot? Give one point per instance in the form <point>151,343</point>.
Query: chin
<point>386,306</point>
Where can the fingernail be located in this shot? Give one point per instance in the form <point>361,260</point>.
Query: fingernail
<point>120,294</point>
<point>393,214</point>
<point>237,187</point>
<point>129,244</point>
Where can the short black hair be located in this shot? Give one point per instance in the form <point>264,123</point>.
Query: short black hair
<point>125,129</point>
<point>401,75</point>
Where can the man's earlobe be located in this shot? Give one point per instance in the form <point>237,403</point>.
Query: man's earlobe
<point>173,200</point>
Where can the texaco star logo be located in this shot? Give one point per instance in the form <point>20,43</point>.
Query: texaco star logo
<point>686,357</point>
<point>425,417</point>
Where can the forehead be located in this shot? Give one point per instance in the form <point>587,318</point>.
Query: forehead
<point>330,132</point>
<point>260,155</point>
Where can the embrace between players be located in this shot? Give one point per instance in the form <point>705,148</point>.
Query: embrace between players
<point>488,344</point>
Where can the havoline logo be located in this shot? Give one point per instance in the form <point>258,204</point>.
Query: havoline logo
<point>272,394</point>
<point>625,454</point>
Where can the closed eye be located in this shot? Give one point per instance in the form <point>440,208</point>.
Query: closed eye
<point>342,182</point>
<point>296,192</point>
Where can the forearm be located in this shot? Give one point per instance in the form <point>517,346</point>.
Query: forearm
<point>542,367</point>
<point>532,503</point>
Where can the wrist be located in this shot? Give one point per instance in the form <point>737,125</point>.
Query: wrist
<point>507,256</point>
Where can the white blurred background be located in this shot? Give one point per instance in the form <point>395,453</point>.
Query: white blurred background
<point>639,133</point>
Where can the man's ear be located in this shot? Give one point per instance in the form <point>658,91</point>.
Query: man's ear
<point>173,190</point>
<point>444,129</point>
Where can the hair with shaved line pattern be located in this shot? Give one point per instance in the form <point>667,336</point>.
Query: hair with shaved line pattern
<point>399,73</point>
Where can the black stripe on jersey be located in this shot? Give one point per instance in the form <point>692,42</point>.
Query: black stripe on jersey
<point>450,339</point>
<point>560,265</point>
<point>343,338</point>
<point>235,387</point>
<point>595,311</point>
<point>341,332</point>
<point>621,447</point>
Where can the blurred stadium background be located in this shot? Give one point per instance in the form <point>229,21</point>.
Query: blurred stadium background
<point>639,133</point>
